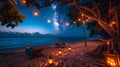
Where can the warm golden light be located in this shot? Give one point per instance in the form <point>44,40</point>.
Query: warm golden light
<point>69,48</point>
<point>67,24</point>
<point>89,18</point>
<point>108,42</point>
<point>48,20</point>
<point>23,1</point>
<point>110,25</point>
<point>113,22</point>
<point>36,13</point>
<point>59,52</point>
<point>83,22</point>
<point>28,47</point>
<point>86,20</point>
<point>82,14</point>
<point>79,19</point>
<point>74,22</point>
<point>50,60</point>
<point>111,61</point>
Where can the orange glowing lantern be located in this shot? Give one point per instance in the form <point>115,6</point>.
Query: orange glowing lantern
<point>86,20</point>
<point>89,18</point>
<point>83,22</point>
<point>23,1</point>
<point>108,42</point>
<point>79,19</point>
<point>113,22</point>
<point>50,60</point>
<point>69,48</point>
<point>60,52</point>
<point>82,14</point>
<point>112,60</point>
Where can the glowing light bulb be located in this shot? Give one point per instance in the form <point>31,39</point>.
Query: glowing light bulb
<point>83,22</point>
<point>23,1</point>
<point>79,19</point>
<point>36,13</point>
<point>86,20</point>
<point>89,18</point>
<point>113,22</point>
<point>74,22</point>
<point>69,48</point>
<point>82,14</point>
<point>108,42</point>
<point>67,24</point>
<point>48,20</point>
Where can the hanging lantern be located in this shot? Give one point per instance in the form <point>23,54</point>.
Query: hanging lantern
<point>112,60</point>
<point>50,60</point>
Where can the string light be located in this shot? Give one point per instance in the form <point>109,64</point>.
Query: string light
<point>36,13</point>
<point>67,24</point>
<point>79,19</point>
<point>74,22</point>
<point>23,1</point>
<point>83,22</point>
<point>48,20</point>
<point>82,14</point>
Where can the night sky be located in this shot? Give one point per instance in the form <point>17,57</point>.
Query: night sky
<point>51,20</point>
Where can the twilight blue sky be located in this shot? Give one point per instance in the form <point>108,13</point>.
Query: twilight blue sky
<point>39,23</point>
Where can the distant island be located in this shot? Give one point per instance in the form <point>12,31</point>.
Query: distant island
<point>33,35</point>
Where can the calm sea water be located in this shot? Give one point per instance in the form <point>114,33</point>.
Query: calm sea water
<point>10,43</point>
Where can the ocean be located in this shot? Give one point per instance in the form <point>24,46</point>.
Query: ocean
<point>11,43</point>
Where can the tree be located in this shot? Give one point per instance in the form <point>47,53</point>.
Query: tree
<point>9,14</point>
<point>107,15</point>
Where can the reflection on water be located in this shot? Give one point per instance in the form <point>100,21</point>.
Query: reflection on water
<point>6,43</point>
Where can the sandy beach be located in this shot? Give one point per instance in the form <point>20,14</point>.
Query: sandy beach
<point>69,58</point>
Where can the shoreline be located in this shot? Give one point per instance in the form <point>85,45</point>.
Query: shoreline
<point>20,59</point>
<point>14,50</point>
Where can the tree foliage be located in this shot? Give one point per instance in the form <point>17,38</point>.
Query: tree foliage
<point>9,14</point>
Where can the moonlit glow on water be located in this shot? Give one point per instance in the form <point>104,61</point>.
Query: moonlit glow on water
<point>56,24</point>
